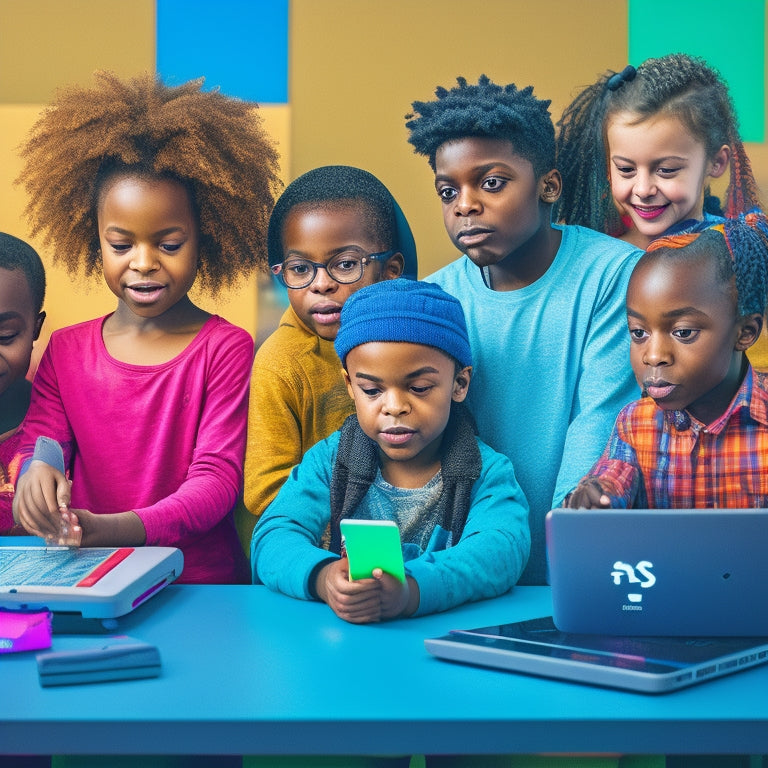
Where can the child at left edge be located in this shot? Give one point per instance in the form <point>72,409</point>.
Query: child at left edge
<point>409,454</point>
<point>155,187</point>
<point>699,436</point>
<point>22,291</point>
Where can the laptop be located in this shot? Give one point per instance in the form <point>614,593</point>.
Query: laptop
<point>643,664</point>
<point>638,572</point>
<point>94,583</point>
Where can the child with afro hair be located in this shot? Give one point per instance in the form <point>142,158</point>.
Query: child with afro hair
<point>544,303</point>
<point>158,187</point>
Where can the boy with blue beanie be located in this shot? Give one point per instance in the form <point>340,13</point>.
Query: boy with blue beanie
<point>409,454</point>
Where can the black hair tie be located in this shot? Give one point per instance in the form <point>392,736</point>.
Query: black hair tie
<point>625,76</point>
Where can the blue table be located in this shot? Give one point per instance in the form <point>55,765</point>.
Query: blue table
<point>246,671</point>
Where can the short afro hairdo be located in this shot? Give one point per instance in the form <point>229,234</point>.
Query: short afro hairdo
<point>489,111</point>
<point>332,185</point>
<point>212,144</point>
<point>16,254</point>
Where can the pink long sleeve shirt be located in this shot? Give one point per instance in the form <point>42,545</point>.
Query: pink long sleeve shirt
<point>166,441</point>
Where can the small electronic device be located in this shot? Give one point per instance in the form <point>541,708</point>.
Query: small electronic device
<point>372,544</point>
<point>643,664</point>
<point>95,583</point>
<point>24,630</point>
<point>684,572</point>
<point>115,658</point>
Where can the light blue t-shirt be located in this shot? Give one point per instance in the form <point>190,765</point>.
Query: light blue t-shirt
<point>551,366</point>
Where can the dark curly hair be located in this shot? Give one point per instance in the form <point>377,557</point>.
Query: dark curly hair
<point>676,85</point>
<point>332,185</point>
<point>214,145</point>
<point>485,110</point>
<point>16,254</point>
<point>739,249</point>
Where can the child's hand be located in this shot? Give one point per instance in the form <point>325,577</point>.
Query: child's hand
<point>397,598</point>
<point>41,505</point>
<point>588,494</point>
<point>358,602</point>
<point>70,531</point>
<point>118,529</point>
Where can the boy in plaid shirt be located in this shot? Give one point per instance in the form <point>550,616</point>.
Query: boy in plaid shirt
<point>699,435</point>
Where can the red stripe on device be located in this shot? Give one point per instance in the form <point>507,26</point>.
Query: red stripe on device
<point>104,568</point>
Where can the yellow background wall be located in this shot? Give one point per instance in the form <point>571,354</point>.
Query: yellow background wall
<point>350,92</point>
<point>377,58</point>
<point>355,66</point>
<point>48,43</point>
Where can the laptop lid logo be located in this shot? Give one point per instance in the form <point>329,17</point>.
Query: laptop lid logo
<point>621,570</point>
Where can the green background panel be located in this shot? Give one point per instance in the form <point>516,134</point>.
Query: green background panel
<point>48,43</point>
<point>729,35</point>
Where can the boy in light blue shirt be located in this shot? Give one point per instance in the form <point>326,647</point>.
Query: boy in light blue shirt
<point>544,303</point>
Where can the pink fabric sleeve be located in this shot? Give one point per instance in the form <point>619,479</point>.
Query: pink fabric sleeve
<point>214,477</point>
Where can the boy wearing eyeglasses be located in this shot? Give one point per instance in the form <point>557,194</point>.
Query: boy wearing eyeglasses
<point>333,230</point>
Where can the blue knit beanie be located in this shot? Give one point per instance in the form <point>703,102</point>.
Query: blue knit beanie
<point>404,310</point>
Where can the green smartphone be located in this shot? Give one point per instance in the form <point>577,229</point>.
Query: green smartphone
<point>372,544</point>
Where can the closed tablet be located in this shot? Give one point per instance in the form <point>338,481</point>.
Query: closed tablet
<point>116,658</point>
<point>645,664</point>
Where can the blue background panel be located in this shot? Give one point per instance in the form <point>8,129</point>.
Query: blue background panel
<point>730,36</point>
<point>240,46</point>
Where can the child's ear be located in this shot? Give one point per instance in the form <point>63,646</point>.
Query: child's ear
<point>720,162</point>
<point>550,186</point>
<point>348,382</point>
<point>393,267</point>
<point>38,326</point>
<point>461,384</point>
<point>751,326</point>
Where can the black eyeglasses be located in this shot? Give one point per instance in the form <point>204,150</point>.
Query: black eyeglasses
<point>345,267</point>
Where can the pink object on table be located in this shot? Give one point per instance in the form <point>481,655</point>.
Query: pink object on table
<point>24,631</point>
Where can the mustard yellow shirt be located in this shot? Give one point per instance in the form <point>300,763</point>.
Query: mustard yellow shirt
<point>297,397</point>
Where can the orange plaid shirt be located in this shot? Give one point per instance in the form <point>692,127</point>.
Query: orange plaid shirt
<point>667,459</point>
